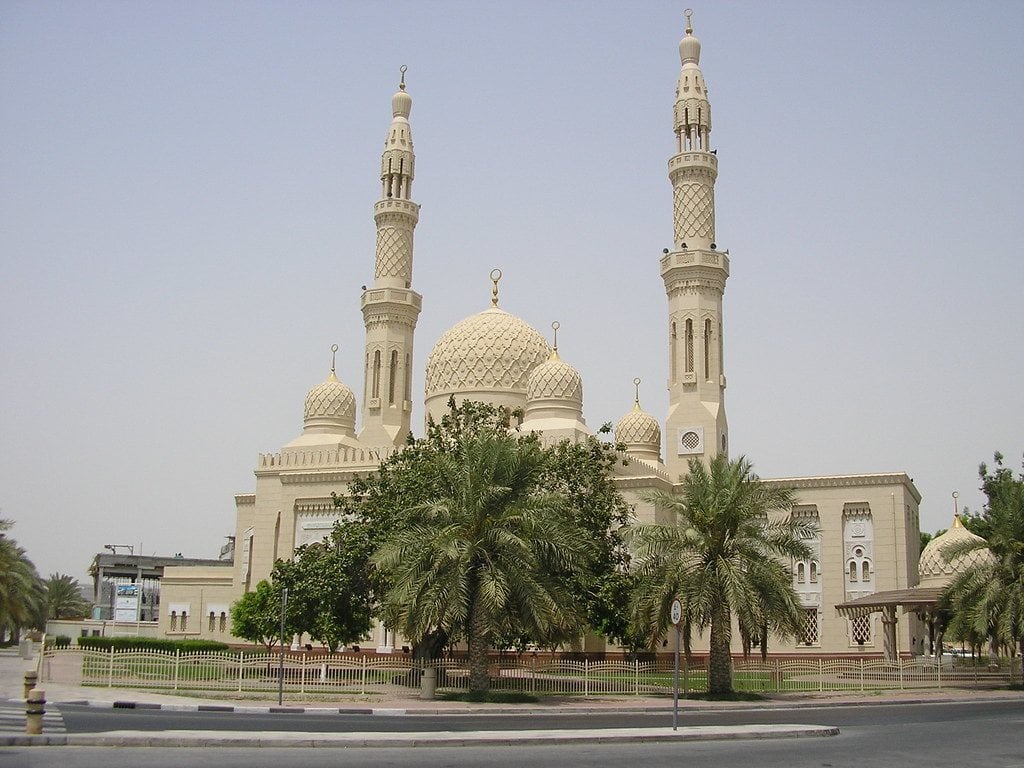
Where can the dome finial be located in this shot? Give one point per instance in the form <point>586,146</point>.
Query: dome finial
<point>401,83</point>
<point>554,327</point>
<point>334,352</point>
<point>636,383</point>
<point>688,13</point>
<point>495,277</point>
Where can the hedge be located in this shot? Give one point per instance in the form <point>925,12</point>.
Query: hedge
<point>151,644</point>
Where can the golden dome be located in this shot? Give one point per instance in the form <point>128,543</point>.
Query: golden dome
<point>640,432</point>
<point>933,567</point>
<point>331,405</point>
<point>555,380</point>
<point>492,351</point>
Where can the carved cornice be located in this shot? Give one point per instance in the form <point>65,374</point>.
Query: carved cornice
<point>848,481</point>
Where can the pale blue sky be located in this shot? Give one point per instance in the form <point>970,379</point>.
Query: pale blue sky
<point>185,222</point>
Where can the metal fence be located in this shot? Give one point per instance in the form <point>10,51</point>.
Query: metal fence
<point>309,674</point>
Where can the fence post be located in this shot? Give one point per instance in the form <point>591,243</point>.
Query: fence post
<point>110,669</point>
<point>362,680</point>
<point>862,674</point>
<point>177,665</point>
<point>821,675</point>
<point>686,674</point>
<point>302,675</point>
<point>899,661</point>
<point>636,677</point>
<point>586,676</point>
<point>241,657</point>
<point>938,671</point>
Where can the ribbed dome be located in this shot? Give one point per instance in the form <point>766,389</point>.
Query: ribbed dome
<point>331,404</point>
<point>555,380</point>
<point>640,431</point>
<point>689,46</point>
<point>933,567</point>
<point>489,351</point>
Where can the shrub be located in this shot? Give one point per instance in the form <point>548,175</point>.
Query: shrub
<point>151,644</point>
<point>61,641</point>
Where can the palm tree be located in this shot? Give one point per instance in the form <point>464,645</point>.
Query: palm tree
<point>987,598</point>
<point>488,555</point>
<point>727,555</point>
<point>20,590</point>
<point>63,598</point>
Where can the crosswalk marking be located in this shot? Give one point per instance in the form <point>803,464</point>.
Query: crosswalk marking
<point>12,718</point>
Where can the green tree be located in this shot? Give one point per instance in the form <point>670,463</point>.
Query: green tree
<point>489,555</point>
<point>329,587</point>
<point>256,616</point>
<point>728,555</point>
<point>378,506</point>
<point>62,598</point>
<point>987,598</point>
<point>21,592</point>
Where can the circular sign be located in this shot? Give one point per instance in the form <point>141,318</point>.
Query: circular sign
<point>677,612</point>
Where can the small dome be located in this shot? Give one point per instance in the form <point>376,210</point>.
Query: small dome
<point>689,46</point>
<point>489,351</point>
<point>331,404</point>
<point>640,432</point>
<point>555,380</point>
<point>933,567</point>
<point>401,104</point>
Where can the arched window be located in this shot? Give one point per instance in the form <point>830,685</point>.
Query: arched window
<point>376,374</point>
<point>707,350</point>
<point>801,575</point>
<point>408,377</point>
<point>865,571</point>
<point>814,572</point>
<point>174,621</point>
<point>184,621</point>
<point>689,345</point>
<point>213,618</point>
<point>853,571</point>
<point>223,621</point>
<point>392,377</point>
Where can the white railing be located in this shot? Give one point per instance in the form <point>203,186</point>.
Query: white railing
<point>307,673</point>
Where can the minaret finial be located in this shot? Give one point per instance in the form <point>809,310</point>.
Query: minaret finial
<point>495,277</point>
<point>554,327</point>
<point>688,13</point>
<point>334,352</point>
<point>401,84</point>
<point>636,383</point>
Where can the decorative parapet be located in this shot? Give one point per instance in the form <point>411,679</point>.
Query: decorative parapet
<point>848,481</point>
<point>342,456</point>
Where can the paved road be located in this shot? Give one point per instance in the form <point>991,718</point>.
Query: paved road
<point>912,736</point>
<point>84,719</point>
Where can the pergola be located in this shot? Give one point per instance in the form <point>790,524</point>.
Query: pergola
<point>919,600</point>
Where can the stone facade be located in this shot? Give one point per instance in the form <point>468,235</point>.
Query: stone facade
<point>868,523</point>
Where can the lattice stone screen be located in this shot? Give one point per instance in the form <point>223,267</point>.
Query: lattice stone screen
<point>810,633</point>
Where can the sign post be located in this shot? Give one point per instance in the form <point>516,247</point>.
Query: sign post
<point>676,616</point>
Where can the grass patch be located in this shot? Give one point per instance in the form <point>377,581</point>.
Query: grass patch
<point>491,697</point>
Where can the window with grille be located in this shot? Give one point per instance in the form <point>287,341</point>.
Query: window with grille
<point>174,620</point>
<point>810,633</point>
<point>223,621</point>
<point>212,618</point>
<point>860,630</point>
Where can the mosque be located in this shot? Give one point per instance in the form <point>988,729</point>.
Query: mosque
<point>868,540</point>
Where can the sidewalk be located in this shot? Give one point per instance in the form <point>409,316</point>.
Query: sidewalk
<point>12,669</point>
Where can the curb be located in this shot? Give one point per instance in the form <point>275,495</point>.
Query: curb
<point>471,739</point>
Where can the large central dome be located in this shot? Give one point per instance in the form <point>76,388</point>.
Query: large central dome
<point>486,357</point>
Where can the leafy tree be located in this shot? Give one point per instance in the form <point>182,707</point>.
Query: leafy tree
<point>63,599</point>
<point>488,555</point>
<point>329,587</point>
<point>725,556</point>
<point>380,505</point>
<point>20,589</point>
<point>256,616</point>
<point>987,598</point>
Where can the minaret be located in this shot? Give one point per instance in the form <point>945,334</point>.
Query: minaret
<point>390,307</point>
<point>694,272</point>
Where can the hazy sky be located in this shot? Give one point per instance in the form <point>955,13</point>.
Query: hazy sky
<point>186,221</point>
